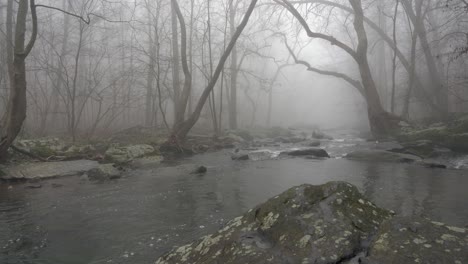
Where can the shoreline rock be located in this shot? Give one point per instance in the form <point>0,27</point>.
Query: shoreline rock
<point>330,223</point>
<point>316,152</point>
<point>45,170</point>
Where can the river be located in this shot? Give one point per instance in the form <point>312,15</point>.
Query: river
<point>137,218</point>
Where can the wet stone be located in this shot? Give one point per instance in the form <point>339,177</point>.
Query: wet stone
<point>330,223</point>
<point>418,240</point>
<point>305,222</point>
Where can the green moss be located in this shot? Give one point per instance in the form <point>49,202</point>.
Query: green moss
<point>42,151</point>
<point>437,134</point>
<point>454,137</point>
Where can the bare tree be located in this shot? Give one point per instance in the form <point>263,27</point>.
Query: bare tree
<point>16,109</point>
<point>181,130</point>
<point>381,122</point>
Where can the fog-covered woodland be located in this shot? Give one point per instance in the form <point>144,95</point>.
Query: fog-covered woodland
<point>83,69</point>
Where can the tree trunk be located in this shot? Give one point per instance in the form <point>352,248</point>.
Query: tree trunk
<point>439,91</point>
<point>180,132</point>
<point>150,74</point>
<point>392,102</point>
<point>184,96</point>
<point>417,81</point>
<point>412,73</point>
<point>178,117</point>
<point>234,71</point>
<point>59,79</point>
<point>378,117</point>
<point>16,112</point>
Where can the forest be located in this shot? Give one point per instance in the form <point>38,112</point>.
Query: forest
<point>143,125</point>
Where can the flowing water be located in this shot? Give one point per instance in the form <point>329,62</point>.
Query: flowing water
<point>137,218</point>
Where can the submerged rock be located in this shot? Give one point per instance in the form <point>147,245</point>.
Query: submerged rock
<point>381,156</point>
<point>42,170</point>
<point>200,170</point>
<point>240,156</point>
<point>263,154</point>
<point>316,152</point>
<point>34,186</point>
<point>104,172</point>
<point>306,224</point>
<point>317,134</point>
<point>330,223</point>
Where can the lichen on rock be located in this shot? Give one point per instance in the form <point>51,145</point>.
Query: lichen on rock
<point>303,223</point>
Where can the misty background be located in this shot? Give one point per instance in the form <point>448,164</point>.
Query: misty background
<point>110,66</point>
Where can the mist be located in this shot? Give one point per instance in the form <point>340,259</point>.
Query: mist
<point>96,65</point>
<point>203,109</point>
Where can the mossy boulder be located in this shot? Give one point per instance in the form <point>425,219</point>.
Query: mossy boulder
<point>118,154</point>
<point>43,147</point>
<point>435,134</point>
<point>104,172</point>
<point>453,135</point>
<point>79,150</point>
<point>330,223</point>
<point>306,224</point>
<point>418,240</point>
<point>43,170</point>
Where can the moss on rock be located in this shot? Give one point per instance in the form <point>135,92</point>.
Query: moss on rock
<point>320,224</point>
<point>453,135</point>
<point>419,240</point>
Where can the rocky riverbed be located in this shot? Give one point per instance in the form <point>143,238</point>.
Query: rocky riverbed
<point>330,223</point>
<point>176,200</point>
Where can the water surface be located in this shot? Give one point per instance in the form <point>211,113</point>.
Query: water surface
<point>137,218</point>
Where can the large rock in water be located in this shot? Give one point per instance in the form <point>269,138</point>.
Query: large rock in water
<point>316,152</point>
<point>330,223</point>
<point>104,172</point>
<point>418,240</point>
<point>306,224</point>
<point>44,170</point>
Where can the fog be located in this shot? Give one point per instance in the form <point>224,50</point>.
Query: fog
<point>131,127</point>
<point>97,67</point>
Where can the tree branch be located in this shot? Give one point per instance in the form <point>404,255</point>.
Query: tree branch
<point>87,20</point>
<point>311,34</point>
<point>355,83</point>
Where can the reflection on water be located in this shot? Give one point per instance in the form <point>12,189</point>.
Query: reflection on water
<point>137,218</point>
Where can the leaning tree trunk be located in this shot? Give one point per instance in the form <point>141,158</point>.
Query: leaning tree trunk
<point>379,120</point>
<point>180,131</point>
<point>16,111</point>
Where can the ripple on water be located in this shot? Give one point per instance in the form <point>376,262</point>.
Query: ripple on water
<point>154,209</point>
